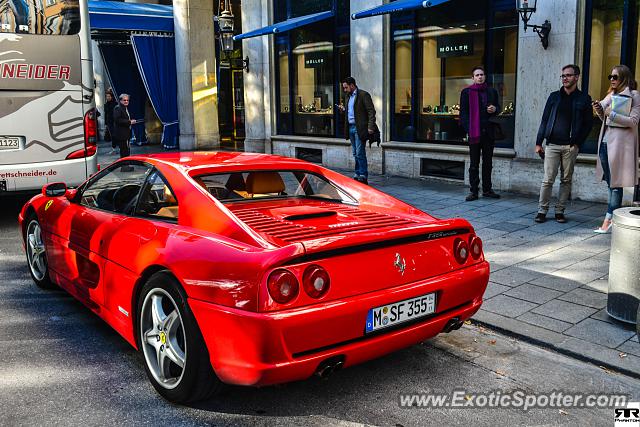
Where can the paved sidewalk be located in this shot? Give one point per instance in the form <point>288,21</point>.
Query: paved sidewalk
<point>548,281</point>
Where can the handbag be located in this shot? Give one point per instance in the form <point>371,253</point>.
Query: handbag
<point>620,104</point>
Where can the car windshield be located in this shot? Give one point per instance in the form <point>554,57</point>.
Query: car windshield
<point>242,186</point>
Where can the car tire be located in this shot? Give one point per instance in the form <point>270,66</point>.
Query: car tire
<point>37,254</point>
<point>168,335</point>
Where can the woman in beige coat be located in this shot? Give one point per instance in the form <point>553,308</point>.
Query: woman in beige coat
<point>618,142</point>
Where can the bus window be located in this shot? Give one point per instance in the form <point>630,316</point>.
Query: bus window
<point>49,17</point>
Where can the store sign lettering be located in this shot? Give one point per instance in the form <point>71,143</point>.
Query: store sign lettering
<point>452,46</point>
<point>314,59</point>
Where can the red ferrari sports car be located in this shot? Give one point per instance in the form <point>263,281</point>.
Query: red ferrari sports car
<point>251,269</point>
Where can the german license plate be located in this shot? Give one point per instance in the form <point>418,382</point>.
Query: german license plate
<point>400,312</point>
<point>9,143</point>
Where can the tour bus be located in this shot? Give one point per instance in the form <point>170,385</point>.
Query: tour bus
<point>48,129</point>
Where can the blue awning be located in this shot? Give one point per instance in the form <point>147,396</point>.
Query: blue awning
<point>114,15</point>
<point>397,6</point>
<point>287,25</point>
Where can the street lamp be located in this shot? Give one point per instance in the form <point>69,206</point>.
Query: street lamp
<point>526,9</point>
<point>225,22</point>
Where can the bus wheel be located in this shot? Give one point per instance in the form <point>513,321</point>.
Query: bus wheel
<point>37,255</point>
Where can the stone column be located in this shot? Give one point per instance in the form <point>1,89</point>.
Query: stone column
<point>255,14</point>
<point>539,69</point>
<point>196,67</point>
<point>368,66</point>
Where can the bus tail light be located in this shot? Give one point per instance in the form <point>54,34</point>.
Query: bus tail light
<point>90,137</point>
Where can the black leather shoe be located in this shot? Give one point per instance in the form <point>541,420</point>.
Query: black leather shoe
<point>540,218</point>
<point>491,194</point>
<point>362,179</point>
<point>561,218</point>
<point>471,197</point>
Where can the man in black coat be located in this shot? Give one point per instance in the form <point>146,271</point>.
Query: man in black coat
<point>566,123</point>
<point>478,103</point>
<point>359,125</point>
<point>122,125</point>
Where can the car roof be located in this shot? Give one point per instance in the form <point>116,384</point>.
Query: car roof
<point>212,161</point>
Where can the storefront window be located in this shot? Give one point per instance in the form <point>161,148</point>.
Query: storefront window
<point>434,53</point>
<point>606,44</point>
<point>311,62</point>
<point>314,81</point>
<point>605,51</point>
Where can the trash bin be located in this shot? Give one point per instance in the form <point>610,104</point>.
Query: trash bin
<point>624,266</point>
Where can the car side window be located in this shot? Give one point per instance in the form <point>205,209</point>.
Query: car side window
<point>157,199</point>
<point>117,190</point>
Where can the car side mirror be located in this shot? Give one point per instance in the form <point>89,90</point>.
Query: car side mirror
<point>55,189</point>
<point>71,193</point>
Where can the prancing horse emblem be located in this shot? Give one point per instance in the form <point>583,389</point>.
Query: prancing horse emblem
<point>400,264</point>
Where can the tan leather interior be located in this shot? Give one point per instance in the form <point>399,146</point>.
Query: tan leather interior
<point>264,182</point>
<point>168,212</point>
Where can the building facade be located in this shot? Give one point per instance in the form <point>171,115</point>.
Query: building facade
<point>415,64</point>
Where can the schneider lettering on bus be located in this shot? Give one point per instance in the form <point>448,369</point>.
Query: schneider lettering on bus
<point>34,71</point>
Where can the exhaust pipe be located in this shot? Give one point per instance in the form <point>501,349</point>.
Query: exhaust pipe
<point>329,366</point>
<point>453,325</point>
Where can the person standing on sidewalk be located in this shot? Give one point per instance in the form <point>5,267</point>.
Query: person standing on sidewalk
<point>360,124</point>
<point>122,125</point>
<point>566,122</point>
<point>108,118</point>
<point>478,103</point>
<point>618,142</point>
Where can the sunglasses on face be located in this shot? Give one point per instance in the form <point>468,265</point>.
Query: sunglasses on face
<point>613,77</point>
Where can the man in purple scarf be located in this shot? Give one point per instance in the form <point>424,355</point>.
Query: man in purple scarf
<point>478,103</point>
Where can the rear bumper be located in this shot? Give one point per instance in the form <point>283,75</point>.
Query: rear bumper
<point>267,348</point>
<point>33,176</point>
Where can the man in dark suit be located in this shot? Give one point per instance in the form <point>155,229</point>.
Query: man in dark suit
<point>478,103</point>
<point>360,124</point>
<point>122,125</point>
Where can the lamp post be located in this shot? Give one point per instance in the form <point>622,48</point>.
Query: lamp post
<point>526,8</point>
<point>225,23</point>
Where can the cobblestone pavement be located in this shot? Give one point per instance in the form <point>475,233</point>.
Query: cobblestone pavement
<point>548,281</point>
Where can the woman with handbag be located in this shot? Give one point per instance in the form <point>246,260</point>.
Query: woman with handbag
<point>618,142</point>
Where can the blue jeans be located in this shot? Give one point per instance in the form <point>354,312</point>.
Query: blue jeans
<point>615,194</point>
<point>359,153</point>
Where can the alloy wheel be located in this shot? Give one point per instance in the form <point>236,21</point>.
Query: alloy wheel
<point>36,253</point>
<point>163,338</point>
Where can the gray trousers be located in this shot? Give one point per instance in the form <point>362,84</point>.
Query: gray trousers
<point>563,157</point>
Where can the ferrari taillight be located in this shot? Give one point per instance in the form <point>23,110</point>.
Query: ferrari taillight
<point>283,286</point>
<point>460,251</point>
<point>315,281</point>
<point>475,247</point>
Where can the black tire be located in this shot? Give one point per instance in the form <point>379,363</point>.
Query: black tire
<point>196,380</point>
<point>40,273</point>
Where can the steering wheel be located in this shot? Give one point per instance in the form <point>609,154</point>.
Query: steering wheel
<point>124,198</point>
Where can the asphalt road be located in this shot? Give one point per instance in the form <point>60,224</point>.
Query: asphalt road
<point>61,365</point>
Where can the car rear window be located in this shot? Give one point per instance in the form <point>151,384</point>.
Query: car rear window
<point>242,186</point>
